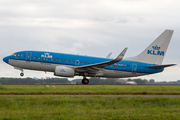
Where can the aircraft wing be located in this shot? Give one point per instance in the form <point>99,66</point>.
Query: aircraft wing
<point>94,68</point>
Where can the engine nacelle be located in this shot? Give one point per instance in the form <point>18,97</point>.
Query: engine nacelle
<point>64,71</point>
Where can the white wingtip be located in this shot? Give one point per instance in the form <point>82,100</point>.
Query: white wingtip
<point>109,55</point>
<point>121,55</point>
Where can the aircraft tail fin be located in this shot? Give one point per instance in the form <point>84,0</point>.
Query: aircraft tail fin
<point>156,51</point>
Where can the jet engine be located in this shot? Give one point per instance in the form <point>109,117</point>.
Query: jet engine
<point>64,71</point>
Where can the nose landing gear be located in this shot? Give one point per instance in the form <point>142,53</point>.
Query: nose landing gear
<point>22,73</point>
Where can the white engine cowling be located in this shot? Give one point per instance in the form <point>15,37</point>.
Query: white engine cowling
<point>64,71</point>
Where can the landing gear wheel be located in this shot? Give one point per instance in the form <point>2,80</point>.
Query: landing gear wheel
<point>85,81</point>
<point>21,74</point>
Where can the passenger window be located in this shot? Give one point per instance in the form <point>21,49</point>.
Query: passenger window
<point>83,62</point>
<point>86,63</point>
<point>46,58</point>
<point>114,66</point>
<point>33,57</point>
<point>36,57</point>
<point>64,60</point>
<point>59,60</point>
<point>39,58</point>
<point>121,66</point>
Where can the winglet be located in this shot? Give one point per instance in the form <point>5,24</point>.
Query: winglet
<point>109,55</point>
<point>121,55</point>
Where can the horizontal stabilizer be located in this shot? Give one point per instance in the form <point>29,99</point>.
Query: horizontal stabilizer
<point>161,66</point>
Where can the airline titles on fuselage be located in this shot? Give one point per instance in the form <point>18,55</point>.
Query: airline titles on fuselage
<point>47,55</point>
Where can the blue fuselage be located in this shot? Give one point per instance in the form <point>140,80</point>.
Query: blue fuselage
<point>61,59</point>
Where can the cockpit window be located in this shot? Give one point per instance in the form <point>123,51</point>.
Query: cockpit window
<point>15,55</point>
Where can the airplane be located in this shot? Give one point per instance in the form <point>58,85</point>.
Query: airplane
<point>69,65</point>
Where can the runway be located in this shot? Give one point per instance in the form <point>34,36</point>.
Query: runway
<point>148,96</point>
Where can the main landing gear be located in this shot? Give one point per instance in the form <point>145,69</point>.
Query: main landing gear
<point>85,81</point>
<point>22,74</point>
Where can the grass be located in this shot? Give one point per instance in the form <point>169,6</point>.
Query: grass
<point>92,107</point>
<point>54,107</point>
<point>90,89</point>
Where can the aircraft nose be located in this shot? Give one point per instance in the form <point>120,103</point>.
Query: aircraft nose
<point>6,59</point>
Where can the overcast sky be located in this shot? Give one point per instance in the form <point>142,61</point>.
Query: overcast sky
<point>88,27</point>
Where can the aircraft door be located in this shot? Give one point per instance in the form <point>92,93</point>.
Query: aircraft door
<point>134,68</point>
<point>77,63</point>
<point>28,56</point>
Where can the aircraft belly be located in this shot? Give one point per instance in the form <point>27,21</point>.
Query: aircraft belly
<point>20,64</point>
<point>51,67</point>
<point>120,74</point>
<point>33,65</point>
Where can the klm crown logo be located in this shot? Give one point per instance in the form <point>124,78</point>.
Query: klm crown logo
<point>156,47</point>
<point>62,71</point>
<point>121,54</point>
<point>156,51</point>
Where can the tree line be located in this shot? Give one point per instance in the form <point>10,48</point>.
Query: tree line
<point>33,81</point>
<point>108,81</point>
